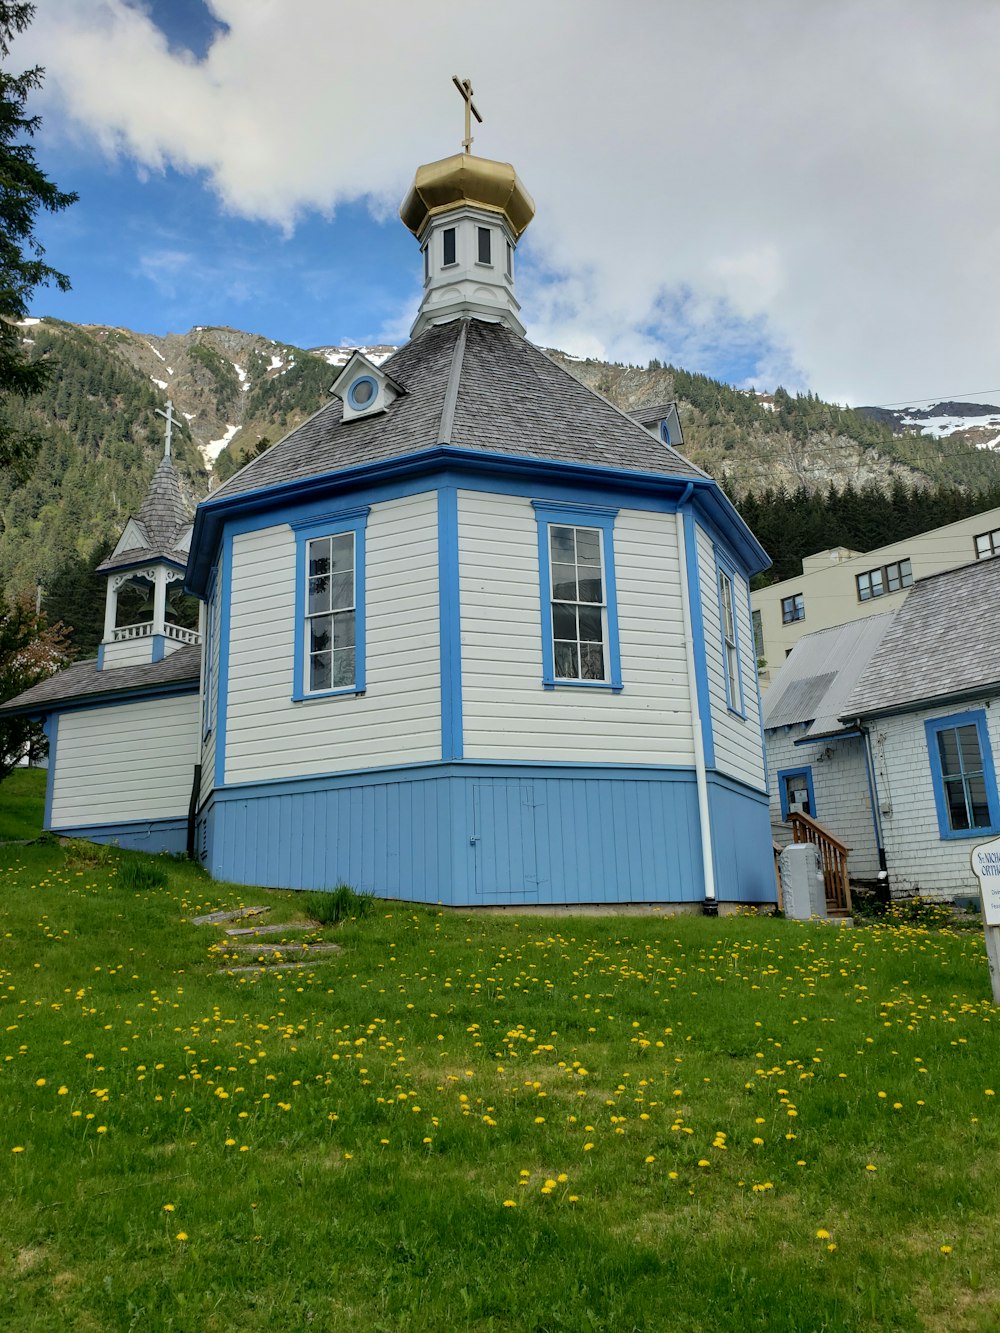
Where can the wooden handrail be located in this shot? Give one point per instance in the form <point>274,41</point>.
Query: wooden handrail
<point>832,855</point>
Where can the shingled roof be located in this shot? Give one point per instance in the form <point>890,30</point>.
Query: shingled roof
<point>474,385</point>
<point>83,681</point>
<point>943,643</point>
<point>162,520</point>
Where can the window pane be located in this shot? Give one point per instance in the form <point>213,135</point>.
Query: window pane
<point>567,662</point>
<point>876,578</point>
<point>592,661</point>
<point>448,245</point>
<point>905,573</point>
<point>343,668</point>
<point>563,621</point>
<point>983,547</point>
<point>484,245</point>
<point>948,750</point>
<point>977,800</point>
<point>958,815</point>
<point>968,743</point>
<point>343,630</point>
<point>320,633</point>
<point>343,551</point>
<point>319,556</point>
<point>590,586</point>
<point>319,671</point>
<point>588,547</point>
<point>319,594</point>
<point>892,578</point>
<point>342,591</point>
<point>564,583</point>
<point>591,624</point>
<point>562,545</point>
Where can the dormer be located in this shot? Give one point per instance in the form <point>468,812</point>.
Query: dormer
<point>663,421</point>
<point>364,388</point>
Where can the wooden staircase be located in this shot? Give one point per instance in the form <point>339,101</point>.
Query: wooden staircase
<point>833,859</point>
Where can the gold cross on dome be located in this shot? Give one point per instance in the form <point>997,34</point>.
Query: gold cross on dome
<point>464,86</point>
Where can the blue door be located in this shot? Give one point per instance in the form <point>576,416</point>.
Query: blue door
<point>503,836</point>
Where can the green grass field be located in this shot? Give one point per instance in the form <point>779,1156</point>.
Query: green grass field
<point>485,1122</point>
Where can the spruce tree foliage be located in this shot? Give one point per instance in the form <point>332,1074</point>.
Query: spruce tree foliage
<point>30,650</point>
<point>24,189</point>
<point>75,597</point>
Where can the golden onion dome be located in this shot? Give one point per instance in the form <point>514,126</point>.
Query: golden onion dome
<point>465,179</point>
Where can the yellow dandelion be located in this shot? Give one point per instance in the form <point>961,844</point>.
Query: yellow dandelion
<point>822,1234</point>
<point>946,1249</point>
<point>703,1161</point>
<point>182,1235</point>
<point>168,1207</point>
<point>39,1083</point>
<point>649,1160</point>
<point>509,1203</point>
<point>562,1177</point>
<point>17,1149</point>
<point>870,1167</point>
<point>587,1147</point>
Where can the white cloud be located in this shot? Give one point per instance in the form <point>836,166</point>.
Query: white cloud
<point>810,186</point>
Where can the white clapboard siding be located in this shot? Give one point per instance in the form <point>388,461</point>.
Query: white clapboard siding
<point>398,719</point>
<point>210,682</point>
<point>132,762</point>
<point>739,751</point>
<point>508,715</point>
<point>128,652</point>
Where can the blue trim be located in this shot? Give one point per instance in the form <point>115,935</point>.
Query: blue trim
<point>107,699</point>
<point>143,835</point>
<point>100,657</point>
<point>206,657</point>
<point>450,617</point>
<point>579,515</point>
<point>151,559</point>
<point>698,636</point>
<point>782,773</point>
<point>222,698</point>
<point>479,470</point>
<point>932,728</point>
<point>159,647</point>
<point>306,530</point>
<point>51,728</point>
<point>723,565</point>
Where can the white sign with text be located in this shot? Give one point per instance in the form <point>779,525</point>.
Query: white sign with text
<point>986,868</point>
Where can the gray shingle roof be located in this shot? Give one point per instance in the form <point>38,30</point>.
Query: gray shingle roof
<point>507,397</point>
<point>820,673</point>
<point>162,518</point>
<point>944,641</point>
<point>83,680</point>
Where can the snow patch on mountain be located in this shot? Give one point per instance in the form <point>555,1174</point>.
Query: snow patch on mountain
<point>156,353</point>
<point>214,448</point>
<point>160,384</point>
<point>243,378</point>
<point>339,356</point>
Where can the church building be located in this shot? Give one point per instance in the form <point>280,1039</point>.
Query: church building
<point>469,635</point>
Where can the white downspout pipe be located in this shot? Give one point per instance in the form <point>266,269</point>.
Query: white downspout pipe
<point>701,776</point>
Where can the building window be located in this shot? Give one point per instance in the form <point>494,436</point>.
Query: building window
<point>449,253</point>
<point>795,791</point>
<point>758,635</point>
<point>510,260</point>
<point>888,578</point>
<point>485,256</point>
<point>579,603</point>
<point>330,633</point>
<point>965,790</point>
<point>427,262</point>
<point>792,609</point>
<point>730,648</point>
<point>988,544</point>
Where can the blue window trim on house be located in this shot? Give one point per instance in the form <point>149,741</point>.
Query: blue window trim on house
<point>806,771</point>
<point>452,739</point>
<point>735,692</point>
<point>327,525</point>
<point>601,517</point>
<point>209,648</point>
<point>222,696</point>
<point>51,730</point>
<point>698,635</point>
<point>932,728</point>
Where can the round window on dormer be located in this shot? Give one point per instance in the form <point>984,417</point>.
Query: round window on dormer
<point>362,392</point>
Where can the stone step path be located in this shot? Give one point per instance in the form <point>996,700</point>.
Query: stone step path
<point>234,932</point>
<point>217,918</point>
<point>247,946</point>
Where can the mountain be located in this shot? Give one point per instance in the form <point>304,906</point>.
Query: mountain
<point>234,393</point>
<point>975,425</point>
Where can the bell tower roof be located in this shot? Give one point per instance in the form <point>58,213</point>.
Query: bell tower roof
<point>463,180</point>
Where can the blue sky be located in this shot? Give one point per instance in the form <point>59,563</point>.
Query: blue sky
<point>764,192</point>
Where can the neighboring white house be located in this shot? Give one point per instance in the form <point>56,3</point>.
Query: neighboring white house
<point>929,704</point>
<point>841,585</point>
<point>815,762</point>
<point>472,635</point>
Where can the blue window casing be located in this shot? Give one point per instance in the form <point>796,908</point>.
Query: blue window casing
<point>329,525</point>
<point>601,517</point>
<point>209,649</point>
<point>352,393</point>
<point>933,728</point>
<point>732,662</point>
<point>804,771</point>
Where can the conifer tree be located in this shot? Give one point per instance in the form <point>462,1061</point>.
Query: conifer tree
<point>24,189</point>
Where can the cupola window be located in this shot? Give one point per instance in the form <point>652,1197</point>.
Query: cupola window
<point>485,254</point>
<point>427,263</point>
<point>510,260</point>
<point>448,249</point>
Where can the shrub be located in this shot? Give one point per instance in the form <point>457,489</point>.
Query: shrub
<point>139,873</point>
<point>338,904</point>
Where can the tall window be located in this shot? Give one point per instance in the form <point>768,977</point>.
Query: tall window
<point>484,252</point>
<point>963,775</point>
<point>330,631</point>
<point>449,253</point>
<point>579,605</point>
<point>330,613</point>
<point>758,635</point>
<point>730,653</point>
<point>792,608</point>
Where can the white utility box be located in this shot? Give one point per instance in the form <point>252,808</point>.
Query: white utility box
<point>802,881</point>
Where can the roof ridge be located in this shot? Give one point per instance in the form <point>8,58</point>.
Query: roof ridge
<point>447,425</point>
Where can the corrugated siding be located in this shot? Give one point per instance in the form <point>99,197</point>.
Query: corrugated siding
<point>132,762</point>
<point>738,748</point>
<point>508,714</point>
<point>210,683</point>
<point>398,720</point>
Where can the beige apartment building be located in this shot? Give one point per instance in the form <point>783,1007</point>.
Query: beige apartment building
<point>840,585</point>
